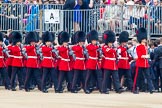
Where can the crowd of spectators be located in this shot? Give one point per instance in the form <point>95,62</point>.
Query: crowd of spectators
<point>121,13</point>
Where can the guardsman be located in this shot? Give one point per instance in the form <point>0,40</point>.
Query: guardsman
<point>3,72</point>
<point>32,66</point>
<point>142,65</point>
<point>110,63</point>
<point>64,61</point>
<point>124,58</point>
<point>92,65</point>
<point>48,60</point>
<point>79,64</point>
<point>17,61</point>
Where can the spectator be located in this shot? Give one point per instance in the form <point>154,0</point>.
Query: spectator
<point>32,20</point>
<point>77,15</point>
<point>139,15</point>
<point>129,11</point>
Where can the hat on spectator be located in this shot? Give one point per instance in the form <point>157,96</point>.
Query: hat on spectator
<point>30,37</point>
<point>1,36</point>
<point>130,3</point>
<point>63,37</point>
<point>93,35</point>
<point>47,37</point>
<point>141,34</point>
<point>16,37</point>
<point>109,36</point>
<point>123,37</point>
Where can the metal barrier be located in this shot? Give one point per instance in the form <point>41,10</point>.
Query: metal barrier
<point>29,17</point>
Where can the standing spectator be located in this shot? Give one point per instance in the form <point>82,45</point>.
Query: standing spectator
<point>32,20</point>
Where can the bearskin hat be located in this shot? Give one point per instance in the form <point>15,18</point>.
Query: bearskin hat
<point>1,36</point>
<point>63,37</point>
<point>141,34</point>
<point>123,37</point>
<point>93,35</point>
<point>16,37</point>
<point>47,37</point>
<point>81,36</point>
<point>30,37</point>
<point>109,36</point>
<point>73,38</point>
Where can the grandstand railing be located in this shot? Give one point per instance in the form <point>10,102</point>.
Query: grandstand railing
<point>29,17</point>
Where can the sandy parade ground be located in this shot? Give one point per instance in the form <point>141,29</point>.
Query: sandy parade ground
<point>37,99</point>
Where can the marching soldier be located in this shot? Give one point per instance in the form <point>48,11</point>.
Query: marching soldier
<point>79,64</point>
<point>17,61</point>
<point>124,58</point>
<point>142,64</point>
<point>47,63</point>
<point>31,62</point>
<point>110,65</point>
<point>92,65</point>
<point>3,64</point>
<point>64,61</point>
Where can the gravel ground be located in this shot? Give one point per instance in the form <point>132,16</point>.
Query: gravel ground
<point>37,99</point>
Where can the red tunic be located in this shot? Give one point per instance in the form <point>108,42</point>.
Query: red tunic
<point>64,61</point>
<point>79,63</point>
<point>141,62</point>
<point>32,61</point>
<point>92,62</point>
<point>123,56</point>
<point>9,59</point>
<point>17,56</point>
<point>47,61</point>
<point>109,58</point>
<point>2,62</point>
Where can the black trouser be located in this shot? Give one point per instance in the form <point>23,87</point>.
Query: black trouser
<point>127,74</point>
<point>53,75</point>
<point>107,77</point>
<point>161,78</point>
<point>9,71</point>
<point>64,75</point>
<point>32,73</point>
<point>146,74</point>
<point>78,77</point>
<point>5,77</point>
<point>16,71</point>
<point>98,77</point>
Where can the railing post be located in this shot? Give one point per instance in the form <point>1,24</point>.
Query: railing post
<point>61,19</point>
<point>122,9</point>
<point>21,20</point>
<point>41,22</point>
<point>148,26</point>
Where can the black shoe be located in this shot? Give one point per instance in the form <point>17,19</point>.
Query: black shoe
<point>8,88</point>
<point>107,92</point>
<point>21,87</point>
<point>74,91</point>
<point>13,89</point>
<point>87,91</point>
<point>44,91</point>
<point>27,90</point>
<point>151,92</point>
<point>120,90</point>
<point>57,91</point>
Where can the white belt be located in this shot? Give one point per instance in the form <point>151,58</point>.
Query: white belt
<point>35,57</point>
<point>48,57</point>
<point>64,59</point>
<point>124,58</point>
<point>80,58</point>
<point>1,56</point>
<point>17,57</point>
<point>94,58</point>
<point>107,58</point>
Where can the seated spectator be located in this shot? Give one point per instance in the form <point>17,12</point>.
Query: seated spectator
<point>129,11</point>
